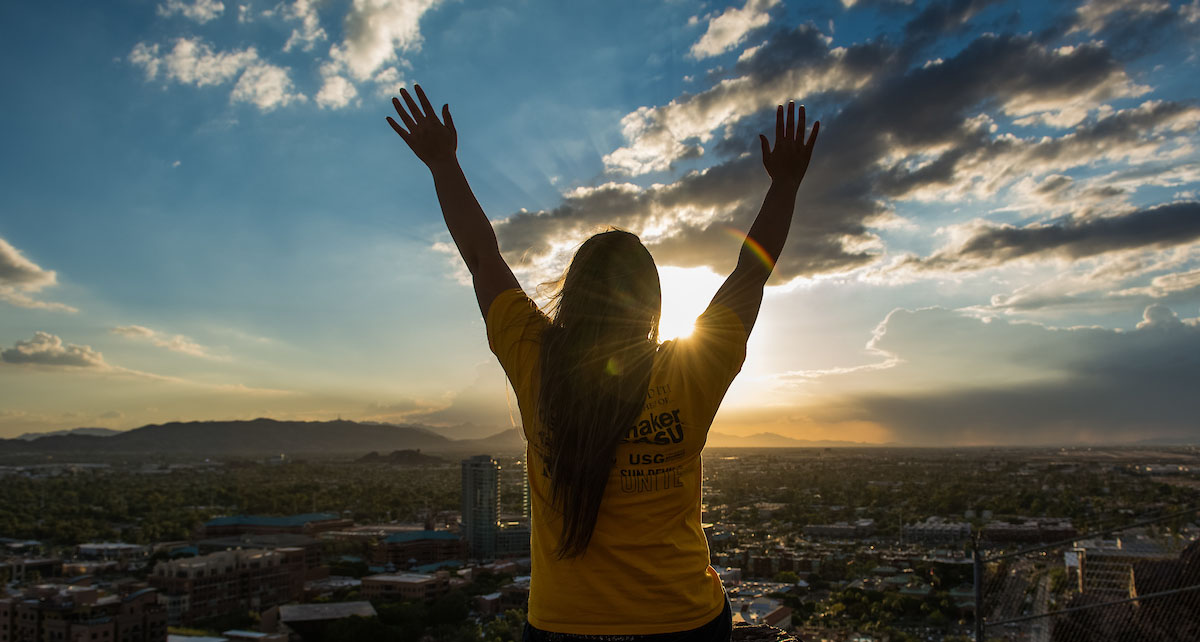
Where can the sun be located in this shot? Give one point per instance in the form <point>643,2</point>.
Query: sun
<point>686,292</point>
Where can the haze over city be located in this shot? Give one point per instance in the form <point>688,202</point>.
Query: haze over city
<point>203,214</point>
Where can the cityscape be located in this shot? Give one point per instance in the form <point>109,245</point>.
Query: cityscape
<point>253,386</point>
<point>839,544</point>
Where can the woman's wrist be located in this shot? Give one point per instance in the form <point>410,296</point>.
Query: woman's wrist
<point>444,165</point>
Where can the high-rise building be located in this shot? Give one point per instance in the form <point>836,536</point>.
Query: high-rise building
<point>481,504</point>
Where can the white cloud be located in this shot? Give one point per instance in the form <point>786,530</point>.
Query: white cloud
<point>310,30</point>
<point>389,81</point>
<point>201,11</point>
<point>657,137</point>
<point>192,61</point>
<point>376,31</point>
<point>20,277</point>
<point>266,86</point>
<point>175,343</point>
<point>729,29</point>
<point>336,91</point>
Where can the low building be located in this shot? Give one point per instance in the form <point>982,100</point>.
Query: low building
<point>841,530</point>
<point>512,539</point>
<point>64,612</point>
<point>303,524</point>
<point>1029,531</point>
<point>1105,565</point>
<point>408,548</point>
<point>936,530</point>
<point>405,586</point>
<point>308,621</point>
<point>314,565</point>
<point>238,581</point>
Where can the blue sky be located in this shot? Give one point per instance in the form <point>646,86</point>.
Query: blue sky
<point>203,214</point>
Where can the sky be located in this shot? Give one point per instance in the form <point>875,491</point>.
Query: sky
<point>204,215</point>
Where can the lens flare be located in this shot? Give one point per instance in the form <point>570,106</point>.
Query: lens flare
<point>755,247</point>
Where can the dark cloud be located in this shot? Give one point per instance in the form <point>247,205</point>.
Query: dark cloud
<point>48,350</point>
<point>877,113</point>
<point>938,19</point>
<point>1099,385</point>
<point>1154,227</point>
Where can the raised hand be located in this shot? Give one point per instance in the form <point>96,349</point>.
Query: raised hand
<point>433,141</point>
<point>789,160</point>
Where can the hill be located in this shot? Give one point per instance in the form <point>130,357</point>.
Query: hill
<point>95,432</point>
<point>240,438</point>
<point>773,440</point>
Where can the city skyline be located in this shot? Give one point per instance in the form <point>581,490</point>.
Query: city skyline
<point>203,214</point>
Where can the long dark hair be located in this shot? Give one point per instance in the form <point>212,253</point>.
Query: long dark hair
<point>595,369</point>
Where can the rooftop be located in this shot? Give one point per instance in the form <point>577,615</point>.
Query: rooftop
<point>413,536</point>
<point>264,520</point>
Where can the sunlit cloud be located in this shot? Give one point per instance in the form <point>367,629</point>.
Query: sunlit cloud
<point>21,278</point>
<point>192,61</point>
<point>175,343</point>
<point>729,28</point>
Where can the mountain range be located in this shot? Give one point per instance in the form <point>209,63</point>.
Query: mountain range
<point>269,436</point>
<point>259,437</point>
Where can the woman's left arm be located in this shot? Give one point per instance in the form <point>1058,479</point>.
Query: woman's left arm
<point>436,144</point>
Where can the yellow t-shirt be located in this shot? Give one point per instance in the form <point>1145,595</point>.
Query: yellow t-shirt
<point>646,569</point>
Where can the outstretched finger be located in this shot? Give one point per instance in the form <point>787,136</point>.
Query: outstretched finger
<point>412,106</point>
<point>429,110</point>
<point>812,138</point>
<point>766,147</point>
<point>447,119</point>
<point>404,117</point>
<point>790,131</point>
<point>801,116</point>
<point>399,130</point>
<point>778,125</point>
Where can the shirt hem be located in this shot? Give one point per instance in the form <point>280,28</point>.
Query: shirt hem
<point>628,628</point>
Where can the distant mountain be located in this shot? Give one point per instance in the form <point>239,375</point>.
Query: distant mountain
<point>95,432</point>
<point>272,437</point>
<point>508,441</point>
<point>401,458</point>
<point>772,440</point>
<point>240,438</point>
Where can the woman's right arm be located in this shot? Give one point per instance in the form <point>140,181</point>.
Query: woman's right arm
<point>742,292</point>
<point>436,144</point>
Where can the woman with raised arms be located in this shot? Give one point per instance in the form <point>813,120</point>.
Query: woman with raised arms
<point>614,419</point>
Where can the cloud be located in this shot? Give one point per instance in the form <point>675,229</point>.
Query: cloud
<point>175,343</point>
<point>20,277</point>
<point>794,63</point>
<point>336,91</point>
<point>1165,285</point>
<point>192,61</point>
<point>266,87</point>
<point>989,245</point>
<point>963,380</point>
<point>201,11</point>
<point>377,31</point>
<point>871,153</point>
<point>310,30</point>
<point>46,349</point>
<point>730,28</point>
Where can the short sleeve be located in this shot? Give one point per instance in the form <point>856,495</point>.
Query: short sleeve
<point>713,354</point>
<point>514,328</point>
